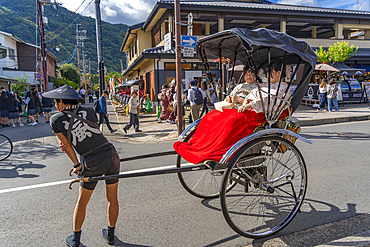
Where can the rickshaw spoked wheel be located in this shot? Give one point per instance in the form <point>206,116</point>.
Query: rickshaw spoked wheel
<point>202,183</point>
<point>6,147</point>
<point>270,189</point>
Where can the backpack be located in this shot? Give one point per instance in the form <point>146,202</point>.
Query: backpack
<point>198,98</point>
<point>96,106</point>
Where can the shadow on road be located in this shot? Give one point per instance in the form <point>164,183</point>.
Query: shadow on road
<point>11,169</point>
<point>318,223</point>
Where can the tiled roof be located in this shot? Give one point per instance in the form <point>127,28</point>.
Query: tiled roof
<point>265,6</point>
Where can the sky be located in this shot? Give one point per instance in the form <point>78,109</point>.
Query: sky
<point>135,11</point>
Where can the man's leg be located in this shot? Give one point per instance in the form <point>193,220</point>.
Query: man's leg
<point>80,209</point>
<point>113,208</point>
<point>107,123</point>
<point>136,121</point>
<point>101,117</point>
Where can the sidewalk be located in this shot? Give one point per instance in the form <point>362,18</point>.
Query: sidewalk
<point>154,132</point>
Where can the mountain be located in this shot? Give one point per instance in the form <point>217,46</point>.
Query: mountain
<point>18,17</point>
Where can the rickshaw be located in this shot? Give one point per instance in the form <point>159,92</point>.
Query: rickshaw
<point>262,179</point>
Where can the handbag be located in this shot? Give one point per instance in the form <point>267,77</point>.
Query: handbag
<point>170,109</point>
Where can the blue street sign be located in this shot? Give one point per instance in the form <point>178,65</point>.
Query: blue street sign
<point>188,41</point>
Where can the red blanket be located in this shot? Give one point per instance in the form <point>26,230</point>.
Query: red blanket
<point>216,133</point>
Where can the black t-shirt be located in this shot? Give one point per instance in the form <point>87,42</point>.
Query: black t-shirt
<point>84,138</point>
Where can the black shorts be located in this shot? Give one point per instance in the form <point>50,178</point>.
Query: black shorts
<point>106,164</point>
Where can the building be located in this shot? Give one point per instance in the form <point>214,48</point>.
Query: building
<point>20,62</point>
<point>144,42</point>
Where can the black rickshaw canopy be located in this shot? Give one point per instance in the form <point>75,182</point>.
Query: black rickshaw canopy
<point>257,49</point>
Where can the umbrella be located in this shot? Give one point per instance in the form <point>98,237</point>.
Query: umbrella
<point>358,73</point>
<point>237,68</point>
<point>326,67</point>
<point>345,73</point>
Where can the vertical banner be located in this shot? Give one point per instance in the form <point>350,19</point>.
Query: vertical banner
<point>111,85</point>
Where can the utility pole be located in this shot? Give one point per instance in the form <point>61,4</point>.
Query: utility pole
<point>83,59</point>
<point>78,56</point>
<point>178,67</point>
<point>121,66</point>
<point>99,46</point>
<point>42,44</point>
<point>90,74</point>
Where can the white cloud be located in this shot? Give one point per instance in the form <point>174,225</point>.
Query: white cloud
<point>300,2</point>
<point>115,11</point>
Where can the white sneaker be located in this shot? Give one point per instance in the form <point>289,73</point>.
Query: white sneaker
<point>159,120</point>
<point>34,123</point>
<point>30,124</point>
<point>21,125</point>
<point>13,125</point>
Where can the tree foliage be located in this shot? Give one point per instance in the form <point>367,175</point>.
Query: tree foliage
<point>61,82</point>
<point>18,18</point>
<point>338,52</point>
<point>69,72</point>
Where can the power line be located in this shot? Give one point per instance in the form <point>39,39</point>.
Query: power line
<point>56,35</point>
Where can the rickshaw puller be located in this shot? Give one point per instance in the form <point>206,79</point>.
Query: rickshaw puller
<point>77,129</point>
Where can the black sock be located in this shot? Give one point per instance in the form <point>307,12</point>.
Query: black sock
<point>110,233</point>
<point>76,238</point>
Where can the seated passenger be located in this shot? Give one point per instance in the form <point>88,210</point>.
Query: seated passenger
<point>219,131</point>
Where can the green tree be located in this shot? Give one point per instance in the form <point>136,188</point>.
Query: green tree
<point>69,72</point>
<point>338,52</point>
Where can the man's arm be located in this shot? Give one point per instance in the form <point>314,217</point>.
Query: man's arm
<point>67,147</point>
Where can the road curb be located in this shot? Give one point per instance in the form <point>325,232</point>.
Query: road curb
<point>332,120</point>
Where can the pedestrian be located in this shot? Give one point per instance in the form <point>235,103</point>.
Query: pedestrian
<point>207,99</point>
<point>219,94</point>
<point>134,113</point>
<point>4,109</point>
<point>83,95</point>
<point>162,96</point>
<point>103,114</point>
<point>13,110</point>
<point>47,104</point>
<point>183,101</point>
<point>196,97</point>
<point>98,157</point>
<point>97,94</point>
<point>19,101</point>
<point>38,106</point>
<point>323,93</point>
<point>77,91</point>
<point>170,92</point>
<point>90,94</point>
<point>31,112</point>
<point>332,93</point>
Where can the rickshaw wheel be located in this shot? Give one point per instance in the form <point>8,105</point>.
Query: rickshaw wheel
<point>6,147</point>
<point>202,183</point>
<point>270,189</point>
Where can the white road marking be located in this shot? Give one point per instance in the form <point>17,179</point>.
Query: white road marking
<point>70,180</point>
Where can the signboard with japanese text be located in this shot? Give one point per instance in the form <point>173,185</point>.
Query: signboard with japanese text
<point>168,41</point>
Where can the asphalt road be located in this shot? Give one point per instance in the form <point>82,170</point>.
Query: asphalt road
<point>157,211</point>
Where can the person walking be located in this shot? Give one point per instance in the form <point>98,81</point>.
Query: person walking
<point>90,94</point>
<point>47,104</point>
<point>13,110</point>
<point>164,103</point>
<point>97,94</point>
<point>19,101</point>
<point>196,97</point>
<point>38,107</point>
<point>332,94</point>
<point>4,109</point>
<point>83,95</point>
<point>170,93</point>
<point>103,114</point>
<point>207,99</point>
<point>31,112</point>
<point>323,93</point>
<point>134,113</point>
<point>98,157</point>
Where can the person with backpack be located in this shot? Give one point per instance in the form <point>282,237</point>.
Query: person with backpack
<point>332,93</point>
<point>195,97</point>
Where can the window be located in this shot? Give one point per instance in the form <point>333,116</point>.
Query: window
<point>11,53</point>
<point>156,37</point>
